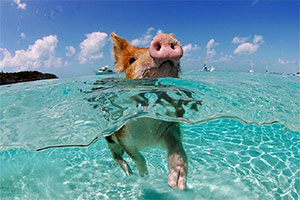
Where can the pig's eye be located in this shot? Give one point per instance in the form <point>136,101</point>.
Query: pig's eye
<point>132,59</point>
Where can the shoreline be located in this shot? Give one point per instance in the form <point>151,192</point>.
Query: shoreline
<point>23,76</point>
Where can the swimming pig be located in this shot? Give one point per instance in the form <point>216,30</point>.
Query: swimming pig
<point>161,59</point>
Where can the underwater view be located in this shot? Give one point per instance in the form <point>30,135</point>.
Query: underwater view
<point>240,132</point>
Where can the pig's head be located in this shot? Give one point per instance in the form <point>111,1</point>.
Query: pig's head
<point>161,59</point>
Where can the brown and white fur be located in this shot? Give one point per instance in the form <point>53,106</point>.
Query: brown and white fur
<point>161,59</point>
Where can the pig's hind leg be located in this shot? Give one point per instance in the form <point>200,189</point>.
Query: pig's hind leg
<point>140,162</point>
<point>137,157</point>
<point>117,152</point>
<point>177,159</point>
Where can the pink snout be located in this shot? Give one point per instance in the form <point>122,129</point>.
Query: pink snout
<point>164,47</point>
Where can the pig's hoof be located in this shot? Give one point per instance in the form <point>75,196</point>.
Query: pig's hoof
<point>142,170</point>
<point>125,167</point>
<point>142,174</point>
<point>128,172</point>
<point>177,178</point>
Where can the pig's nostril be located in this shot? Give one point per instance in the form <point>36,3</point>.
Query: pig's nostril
<point>158,47</point>
<point>172,46</point>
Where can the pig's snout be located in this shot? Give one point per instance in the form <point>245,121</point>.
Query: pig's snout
<point>164,47</point>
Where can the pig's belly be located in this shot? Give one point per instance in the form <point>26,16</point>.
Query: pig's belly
<point>144,132</point>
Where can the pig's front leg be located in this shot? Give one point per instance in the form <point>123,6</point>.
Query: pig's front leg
<point>177,159</point>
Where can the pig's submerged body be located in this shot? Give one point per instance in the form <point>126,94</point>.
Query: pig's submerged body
<point>144,132</point>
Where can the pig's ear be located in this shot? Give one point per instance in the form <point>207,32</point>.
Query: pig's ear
<point>118,42</point>
<point>171,34</point>
<point>120,45</point>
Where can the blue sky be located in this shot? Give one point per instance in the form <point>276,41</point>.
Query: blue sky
<point>71,38</point>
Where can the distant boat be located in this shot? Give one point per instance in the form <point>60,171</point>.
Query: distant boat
<point>251,70</point>
<point>207,69</point>
<point>204,68</point>
<point>282,73</point>
<point>212,69</point>
<point>104,70</point>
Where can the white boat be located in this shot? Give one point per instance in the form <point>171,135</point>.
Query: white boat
<point>104,70</point>
<point>204,68</point>
<point>297,74</point>
<point>207,69</point>
<point>251,71</point>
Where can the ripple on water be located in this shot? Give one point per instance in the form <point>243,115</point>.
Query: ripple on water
<point>75,111</point>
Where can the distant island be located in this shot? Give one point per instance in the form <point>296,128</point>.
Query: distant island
<point>16,77</point>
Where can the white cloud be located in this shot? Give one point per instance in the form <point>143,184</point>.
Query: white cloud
<point>22,35</point>
<point>210,43</point>
<point>285,62</point>
<point>5,56</point>
<point>190,47</point>
<point>40,54</point>
<point>70,51</point>
<point>91,48</point>
<point>258,39</point>
<point>188,57</point>
<point>145,39</point>
<point>237,40</point>
<point>246,48</point>
<point>210,51</point>
<point>20,5</point>
<point>159,31</point>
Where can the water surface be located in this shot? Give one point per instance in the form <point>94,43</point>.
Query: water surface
<point>241,134</point>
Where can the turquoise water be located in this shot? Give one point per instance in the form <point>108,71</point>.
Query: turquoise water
<point>241,134</point>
